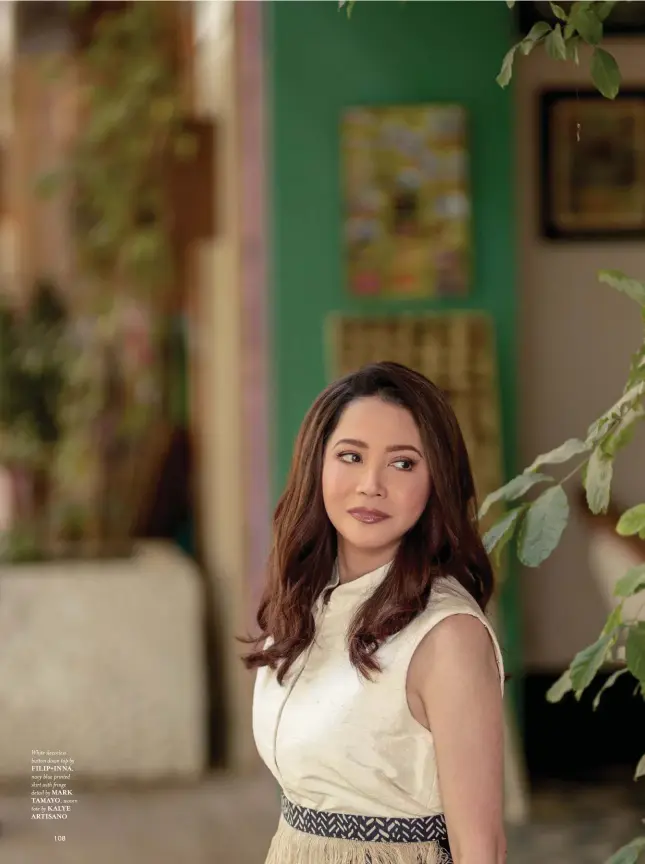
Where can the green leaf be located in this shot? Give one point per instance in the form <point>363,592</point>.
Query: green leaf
<point>614,620</point>
<point>600,470</point>
<point>558,11</point>
<point>542,527</point>
<point>635,651</point>
<point>501,532</point>
<point>632,287</point>
<point>586,664</point>
<point>611,420</point>
<point>605,73</point>
<point>631,583</point>
<point>535,35</point>
<point>572,49</point>
<point>602,427</point>
<point>637,363</point>
<point>632,521</point>
<point>586,22</point>
<point>624,431</point>
<point>555,45</point>
<point>515,488</point>
<point>640,768</point>
<point>506,72</point>
<point>608,683</point>
<point>603,10</point>
<point>561,687</point>
<point>629,399</point>
<point>570,448</point>
<point>630,853</point>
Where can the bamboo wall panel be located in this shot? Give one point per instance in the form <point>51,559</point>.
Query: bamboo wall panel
<point>456,351</point>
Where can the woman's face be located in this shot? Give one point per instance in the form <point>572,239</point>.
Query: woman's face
<point>375,481</point>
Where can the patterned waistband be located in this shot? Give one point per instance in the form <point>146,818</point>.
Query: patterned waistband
<point>367,829</point>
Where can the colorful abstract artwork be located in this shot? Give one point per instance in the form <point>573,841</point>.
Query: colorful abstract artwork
<point>407,228</point>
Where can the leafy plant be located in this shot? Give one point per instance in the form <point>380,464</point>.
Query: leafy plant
<point>117,181</point>
<point>33,355</point>
<point>131,128</point>
<point>536,526</point>
<point>582,25</point>
<point>32,372</point>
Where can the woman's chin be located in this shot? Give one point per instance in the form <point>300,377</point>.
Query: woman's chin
<point>368,538</point>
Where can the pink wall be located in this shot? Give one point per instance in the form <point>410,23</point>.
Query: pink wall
<point>254,283</point>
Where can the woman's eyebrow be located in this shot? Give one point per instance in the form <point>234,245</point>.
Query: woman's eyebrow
<point>394,448</point>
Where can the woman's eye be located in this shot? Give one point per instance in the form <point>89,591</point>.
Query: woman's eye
<point>349,457</point>
<point>404,464</point>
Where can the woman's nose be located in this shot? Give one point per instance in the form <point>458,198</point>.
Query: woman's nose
<point>371,481</point>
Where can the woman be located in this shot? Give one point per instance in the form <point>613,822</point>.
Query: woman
<point>378,700</point>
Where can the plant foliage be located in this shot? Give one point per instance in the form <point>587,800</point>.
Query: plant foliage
<point>583,24</point>
<point>131,129</point>
<point>536,525</point>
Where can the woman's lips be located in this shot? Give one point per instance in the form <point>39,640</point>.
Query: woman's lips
<point>369,517</point>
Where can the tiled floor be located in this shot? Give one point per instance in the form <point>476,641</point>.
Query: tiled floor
<point>226,821</point>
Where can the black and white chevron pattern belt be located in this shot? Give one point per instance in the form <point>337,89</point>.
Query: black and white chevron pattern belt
<point>367,829</point>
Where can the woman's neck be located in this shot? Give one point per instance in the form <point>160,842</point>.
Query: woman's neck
<point>354,563</point>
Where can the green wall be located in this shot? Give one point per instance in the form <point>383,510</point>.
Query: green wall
<point>388,52</point>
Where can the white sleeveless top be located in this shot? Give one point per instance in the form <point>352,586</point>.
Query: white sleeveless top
<point>337,742</point>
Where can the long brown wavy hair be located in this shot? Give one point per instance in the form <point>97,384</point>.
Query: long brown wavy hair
<point>444,541</point>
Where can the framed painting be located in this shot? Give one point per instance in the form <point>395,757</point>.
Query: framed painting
<point>592,165</point>
<point>407,226</point>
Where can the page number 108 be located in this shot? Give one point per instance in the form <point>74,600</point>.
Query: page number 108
<point>59,838</point>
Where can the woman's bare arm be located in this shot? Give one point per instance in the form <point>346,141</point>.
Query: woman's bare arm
<point>455,675</point>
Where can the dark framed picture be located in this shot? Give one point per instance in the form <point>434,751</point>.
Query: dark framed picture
<point>592,165</point>
<point>626,19</point>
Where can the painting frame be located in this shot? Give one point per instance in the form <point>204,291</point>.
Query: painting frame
<point>575,204</point>
<point>407,201</point>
